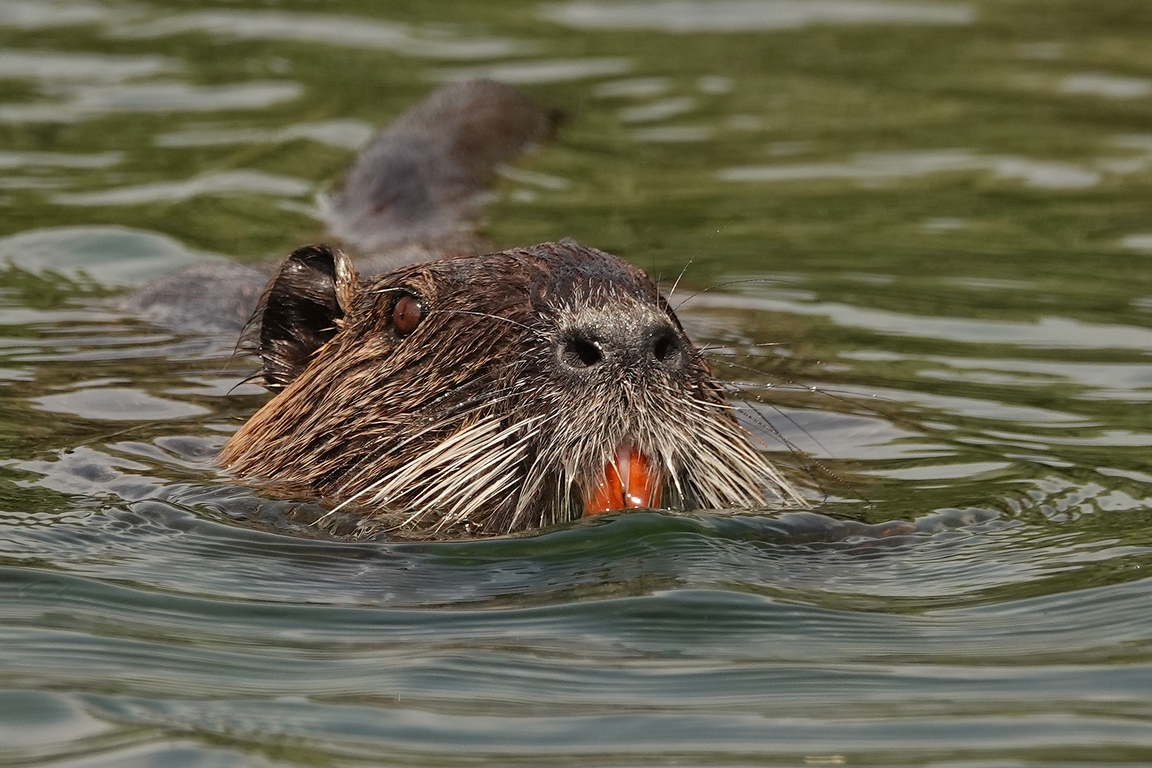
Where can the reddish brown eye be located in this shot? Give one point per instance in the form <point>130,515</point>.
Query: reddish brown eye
<point>407,313</point>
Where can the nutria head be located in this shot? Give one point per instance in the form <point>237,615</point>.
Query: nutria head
<point>481,395</point>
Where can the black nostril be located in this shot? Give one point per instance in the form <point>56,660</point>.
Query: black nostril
<point>628,343</point>
<point>665,346</point>
<point>581,352</point>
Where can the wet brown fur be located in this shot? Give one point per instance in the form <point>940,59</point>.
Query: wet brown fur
<point>476,423</point>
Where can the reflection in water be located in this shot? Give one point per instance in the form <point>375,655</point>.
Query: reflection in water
<point>1130,382</point>
<point>1109,86</point>
<point>685,16</point>
<point>1137,242</point>
<point>39,14</point>
<point>540,71</point>
<point>117,404</point>
<point>1045,332</point>
<point>636,87</point>
<point>340,31</point>
<point>9,160</point>
<point>674,133</point>
<point>657,110</point>
<point>112,256</point>
<point>228,182</point>
<point>54,66</point>
<point>349,134</point>
<point>887,165</point>
<point>87,101</point>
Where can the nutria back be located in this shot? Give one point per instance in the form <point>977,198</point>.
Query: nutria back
<point>424,177</point>
<point>412,194</point>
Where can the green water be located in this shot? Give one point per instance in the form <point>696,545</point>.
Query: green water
<point>917,237</point>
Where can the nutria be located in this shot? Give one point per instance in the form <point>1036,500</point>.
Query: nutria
<point>489,394</point>
<point>476,394</point>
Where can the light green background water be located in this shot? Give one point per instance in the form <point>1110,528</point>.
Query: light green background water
<point>916,235</point>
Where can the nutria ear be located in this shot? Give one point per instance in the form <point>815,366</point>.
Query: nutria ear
<point>299,312</point>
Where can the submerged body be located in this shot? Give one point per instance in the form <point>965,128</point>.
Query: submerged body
<point>467,395</point>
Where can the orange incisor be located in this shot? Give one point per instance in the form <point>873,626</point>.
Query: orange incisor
<point>628,483</point>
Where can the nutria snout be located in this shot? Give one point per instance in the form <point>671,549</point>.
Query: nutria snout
<point>482,395</point>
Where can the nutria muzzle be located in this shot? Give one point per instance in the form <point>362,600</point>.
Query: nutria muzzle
<point>482,395</point>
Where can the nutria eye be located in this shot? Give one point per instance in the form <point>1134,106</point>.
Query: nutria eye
<point>407,313</point>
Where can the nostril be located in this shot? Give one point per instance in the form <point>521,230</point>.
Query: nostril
<point>665,346</point>
<point>581,352</point>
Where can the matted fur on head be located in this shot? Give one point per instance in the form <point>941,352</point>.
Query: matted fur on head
<point>482,395</point>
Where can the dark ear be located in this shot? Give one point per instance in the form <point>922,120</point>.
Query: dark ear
<point>299,311</point>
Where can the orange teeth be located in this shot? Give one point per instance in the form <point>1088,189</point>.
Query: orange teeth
<point>629,483</point>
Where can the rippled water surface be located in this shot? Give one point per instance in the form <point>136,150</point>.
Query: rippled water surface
<point>917,237</point>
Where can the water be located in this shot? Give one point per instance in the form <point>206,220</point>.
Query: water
<point>916,235</point>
